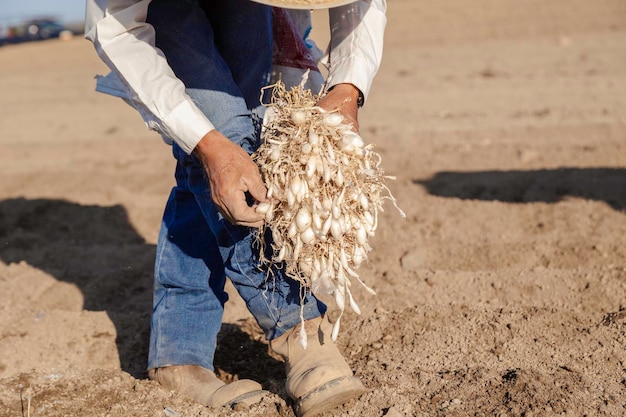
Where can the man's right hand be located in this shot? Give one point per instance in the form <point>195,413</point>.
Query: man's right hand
<point>231,174</point>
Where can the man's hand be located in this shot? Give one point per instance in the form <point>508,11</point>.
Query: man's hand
<point>343,97</point>
<point>231,174</point>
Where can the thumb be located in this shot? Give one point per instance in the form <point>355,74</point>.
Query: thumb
<point>256,188</point>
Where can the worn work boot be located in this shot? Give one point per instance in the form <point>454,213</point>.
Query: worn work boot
<point>318,377</point>
<point>201,385</point>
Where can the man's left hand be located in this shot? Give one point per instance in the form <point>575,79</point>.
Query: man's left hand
<point>344,98</point>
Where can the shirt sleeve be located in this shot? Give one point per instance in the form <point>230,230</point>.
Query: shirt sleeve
<point>356,43</point>
<point>126,43</point>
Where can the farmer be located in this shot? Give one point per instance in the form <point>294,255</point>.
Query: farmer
<point>195,69</point>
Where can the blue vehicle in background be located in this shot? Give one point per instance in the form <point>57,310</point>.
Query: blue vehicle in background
<point>33,30</point>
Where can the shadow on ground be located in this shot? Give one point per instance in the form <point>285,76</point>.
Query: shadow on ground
<point>548,185</point>
<point>97,249</point>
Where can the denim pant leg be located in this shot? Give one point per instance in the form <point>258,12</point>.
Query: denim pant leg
<point>226,88</point>
<point>189,297</point>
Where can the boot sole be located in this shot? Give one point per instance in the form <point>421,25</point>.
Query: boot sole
<point>328,396</point>
<point>247,399</point>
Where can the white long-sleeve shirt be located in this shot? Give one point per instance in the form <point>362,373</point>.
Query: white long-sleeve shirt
<point>142,76</point>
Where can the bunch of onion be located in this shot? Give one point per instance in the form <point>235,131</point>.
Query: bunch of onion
<point>326,189</point>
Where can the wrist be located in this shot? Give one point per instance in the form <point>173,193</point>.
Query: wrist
<point>350,90</point>
<point>207,146</point>
<point>206,141</point>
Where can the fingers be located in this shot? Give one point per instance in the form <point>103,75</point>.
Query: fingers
<point>228,190</point>
<point>232,174</point>
<point>240,214</point>
<point>234,207</point>
<point>256,187</point>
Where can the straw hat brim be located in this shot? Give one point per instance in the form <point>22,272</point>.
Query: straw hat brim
<point>305,4</point>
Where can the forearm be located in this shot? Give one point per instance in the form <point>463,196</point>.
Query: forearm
<point>125,42</point>
<point>356,45</point>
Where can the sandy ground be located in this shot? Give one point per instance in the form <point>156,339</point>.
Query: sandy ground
<point>502,293</point>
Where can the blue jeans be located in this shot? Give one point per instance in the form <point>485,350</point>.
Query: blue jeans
<point>222,51</point>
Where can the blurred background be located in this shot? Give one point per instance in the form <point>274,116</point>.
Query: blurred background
<point>35,20</point>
